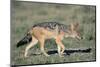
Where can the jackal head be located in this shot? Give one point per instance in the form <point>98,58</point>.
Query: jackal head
<point>73,31</point>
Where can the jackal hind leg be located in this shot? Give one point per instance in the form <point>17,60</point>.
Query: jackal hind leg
<point>42,47</point>
<point>61,47</point>
<point>30,45</point>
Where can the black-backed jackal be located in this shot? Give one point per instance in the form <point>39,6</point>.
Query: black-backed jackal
<point>47,30</point>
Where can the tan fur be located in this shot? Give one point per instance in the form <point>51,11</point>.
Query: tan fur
<point>40,34</point>
<point>34,42</point>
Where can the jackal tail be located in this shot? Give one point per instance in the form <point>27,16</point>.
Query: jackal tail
<point>25,40</point>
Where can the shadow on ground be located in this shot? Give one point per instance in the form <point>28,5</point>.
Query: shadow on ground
<point>68,52</point>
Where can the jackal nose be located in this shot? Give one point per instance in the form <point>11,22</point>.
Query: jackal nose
<point>81,37</point>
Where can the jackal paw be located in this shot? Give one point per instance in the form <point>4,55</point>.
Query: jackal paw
<point>25,56</point>
<point>47,55</point>
<point>61,55</point>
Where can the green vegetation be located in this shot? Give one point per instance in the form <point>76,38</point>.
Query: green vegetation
<point>26,14</point>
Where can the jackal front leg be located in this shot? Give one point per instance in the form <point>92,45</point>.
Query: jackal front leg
<point>59,49</point>
<point>60,45</point>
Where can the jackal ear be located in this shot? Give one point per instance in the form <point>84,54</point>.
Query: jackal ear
<point>71,27</point>
<point>74,26</point>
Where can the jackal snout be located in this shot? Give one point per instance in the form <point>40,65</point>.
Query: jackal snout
<point>74,33</point>
<point>78,36</point>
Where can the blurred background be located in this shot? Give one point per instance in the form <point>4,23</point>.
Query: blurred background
<point>25,14</point>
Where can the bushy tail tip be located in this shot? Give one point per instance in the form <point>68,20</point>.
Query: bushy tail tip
<point>24,41</point>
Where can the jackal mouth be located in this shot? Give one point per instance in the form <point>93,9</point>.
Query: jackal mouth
<point>79,38</point>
